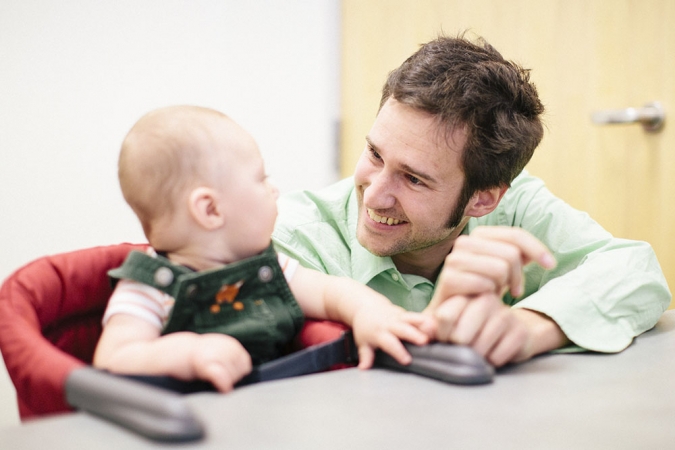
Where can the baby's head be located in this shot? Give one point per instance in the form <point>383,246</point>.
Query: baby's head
<point>195,178</point>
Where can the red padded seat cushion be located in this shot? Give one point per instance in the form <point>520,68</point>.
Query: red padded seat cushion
<point>50,322</point>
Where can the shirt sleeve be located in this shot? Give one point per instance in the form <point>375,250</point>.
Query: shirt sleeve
<point>139,300</point>
<point>288,266</point>
<point>604,290</point>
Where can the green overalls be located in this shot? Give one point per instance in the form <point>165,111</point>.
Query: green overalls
<point>248,300</point>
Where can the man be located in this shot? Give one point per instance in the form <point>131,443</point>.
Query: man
<point>441,217</point>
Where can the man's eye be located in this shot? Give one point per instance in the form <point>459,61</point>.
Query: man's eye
<point>374,153</point>
<point>414,180</point>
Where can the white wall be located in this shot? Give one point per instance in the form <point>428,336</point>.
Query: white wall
<point>76,74</point>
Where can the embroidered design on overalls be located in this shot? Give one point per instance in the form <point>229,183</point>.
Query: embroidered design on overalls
<point>249,300</point>
<point>227,294</point>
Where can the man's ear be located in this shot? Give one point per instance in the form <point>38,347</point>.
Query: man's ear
<point>484,202</point>
<point>205,208</point>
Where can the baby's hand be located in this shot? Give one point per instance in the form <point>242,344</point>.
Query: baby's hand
<point>220,359</point>
<point>384,326</point>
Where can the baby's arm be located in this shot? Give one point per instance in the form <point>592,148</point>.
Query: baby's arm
<point>132,345</point>
<point>376,322</point>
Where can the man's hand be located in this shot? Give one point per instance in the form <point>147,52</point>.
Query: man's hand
<point>490,259</point>
<point>467,301</point>
<point>498,332</point>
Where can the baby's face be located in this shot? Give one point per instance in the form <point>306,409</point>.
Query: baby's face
<point>251,203</point>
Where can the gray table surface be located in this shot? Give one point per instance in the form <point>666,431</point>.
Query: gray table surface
<point>555,401</point>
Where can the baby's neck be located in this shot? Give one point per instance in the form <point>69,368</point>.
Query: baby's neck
<point>196,260</point>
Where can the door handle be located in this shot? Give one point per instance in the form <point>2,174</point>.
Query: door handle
<point>651,116</point>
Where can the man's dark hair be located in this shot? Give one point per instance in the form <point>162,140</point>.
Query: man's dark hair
<point>471,86</point>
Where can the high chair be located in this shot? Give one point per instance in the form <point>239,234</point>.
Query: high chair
<point>50,322</point>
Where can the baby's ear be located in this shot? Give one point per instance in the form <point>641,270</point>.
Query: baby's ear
<point>205,208</point>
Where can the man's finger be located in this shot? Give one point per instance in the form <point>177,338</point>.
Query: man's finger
<point>481,258</point>
<point>474,316</point>
<point>511,344</point>
<point>505,258</point>
<point>531,248</point>
<point>492,332</point>
<point>452,282</point>
<point>447,314</point>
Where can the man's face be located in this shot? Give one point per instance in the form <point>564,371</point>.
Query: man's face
<point>408,180</point>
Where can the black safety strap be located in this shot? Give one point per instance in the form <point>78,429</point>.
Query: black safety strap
<point>450,363</point>
<point>314,359</point>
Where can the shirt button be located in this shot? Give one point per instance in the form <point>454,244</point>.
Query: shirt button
<point>395,277</point>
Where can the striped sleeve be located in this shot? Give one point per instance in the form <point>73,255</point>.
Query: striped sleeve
<point>139,300</point>
<point>288,265</point>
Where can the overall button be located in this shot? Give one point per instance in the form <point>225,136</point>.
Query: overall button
<point>163,276</point>
<point>265,274</point>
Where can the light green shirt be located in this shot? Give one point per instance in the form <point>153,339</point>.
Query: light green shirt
<point>603,292</point>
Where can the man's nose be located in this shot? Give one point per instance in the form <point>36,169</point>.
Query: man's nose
<point>379,194</point>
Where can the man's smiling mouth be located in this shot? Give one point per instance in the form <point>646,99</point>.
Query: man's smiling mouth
<point>382,219</point>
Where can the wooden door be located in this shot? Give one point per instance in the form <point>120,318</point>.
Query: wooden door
<point>585,56</point>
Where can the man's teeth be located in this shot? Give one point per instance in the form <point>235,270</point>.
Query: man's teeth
<point>387,220</point>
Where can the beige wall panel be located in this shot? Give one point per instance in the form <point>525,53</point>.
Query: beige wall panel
<point>585,55</point>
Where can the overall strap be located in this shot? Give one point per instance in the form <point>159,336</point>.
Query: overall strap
<point>156,271</point>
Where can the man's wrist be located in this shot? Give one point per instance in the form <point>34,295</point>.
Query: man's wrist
<point>544,334</point>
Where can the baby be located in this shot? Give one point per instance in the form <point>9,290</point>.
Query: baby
<point>211,297</point>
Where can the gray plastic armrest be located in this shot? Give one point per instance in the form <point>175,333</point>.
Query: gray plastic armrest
<point>456,364</point>
<point>153,412</point>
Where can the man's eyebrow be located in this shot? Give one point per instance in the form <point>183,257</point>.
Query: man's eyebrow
<point>413,171</point>
<point>418,174</point>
